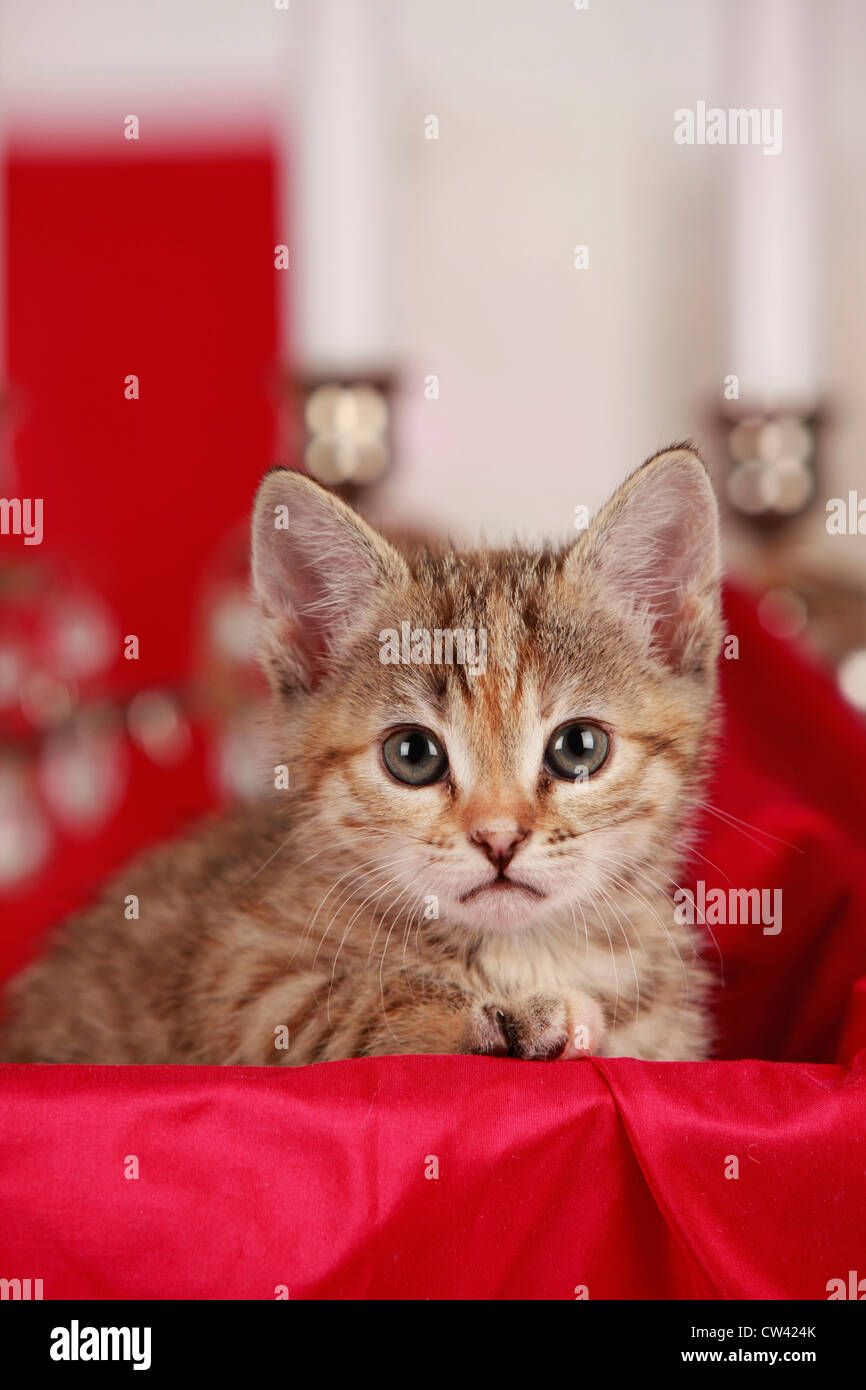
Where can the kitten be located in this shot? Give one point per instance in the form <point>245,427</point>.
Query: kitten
<point>473,857</point>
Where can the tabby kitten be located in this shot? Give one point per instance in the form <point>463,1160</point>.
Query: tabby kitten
<point>473,857</point>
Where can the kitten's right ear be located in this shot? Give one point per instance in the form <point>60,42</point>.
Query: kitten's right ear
<point>652,554</point>
<point>317,570</point>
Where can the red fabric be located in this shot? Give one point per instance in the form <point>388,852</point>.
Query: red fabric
<point>551,1176</point>
<point>792,768</point>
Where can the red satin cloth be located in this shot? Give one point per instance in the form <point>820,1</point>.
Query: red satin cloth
<point>606,1179</point>
<point>552,1177</point>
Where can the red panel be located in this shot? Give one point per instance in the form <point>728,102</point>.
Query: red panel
<point>159,266</point>
<point>157,263</point>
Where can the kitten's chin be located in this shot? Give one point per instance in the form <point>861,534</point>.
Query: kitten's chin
<point>500,907</point>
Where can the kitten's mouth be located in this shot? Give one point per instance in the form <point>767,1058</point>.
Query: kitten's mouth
<point>502,884</point>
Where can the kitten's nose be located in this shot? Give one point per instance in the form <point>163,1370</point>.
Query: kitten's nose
<point>500,846</point>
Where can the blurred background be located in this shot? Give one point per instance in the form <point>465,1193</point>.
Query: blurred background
<point>450,259</point>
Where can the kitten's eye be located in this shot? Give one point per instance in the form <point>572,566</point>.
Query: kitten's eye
<point>415,757</point>
<point>576,750</point>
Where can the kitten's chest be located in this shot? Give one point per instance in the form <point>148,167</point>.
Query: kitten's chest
<point>524,965</point>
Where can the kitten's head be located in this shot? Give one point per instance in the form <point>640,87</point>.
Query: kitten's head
<point>507,786</point>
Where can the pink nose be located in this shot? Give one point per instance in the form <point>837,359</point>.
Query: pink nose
<point>500,846</point>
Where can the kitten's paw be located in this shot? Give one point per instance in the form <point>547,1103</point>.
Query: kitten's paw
<point>541,1028</point>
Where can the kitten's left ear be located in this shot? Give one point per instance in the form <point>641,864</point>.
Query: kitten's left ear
<point>652,554</point>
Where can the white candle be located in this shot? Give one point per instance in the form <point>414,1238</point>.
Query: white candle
<point>774,285</point>
<point>339,190</point>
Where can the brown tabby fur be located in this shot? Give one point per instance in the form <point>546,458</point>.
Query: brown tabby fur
<point>312,910</point>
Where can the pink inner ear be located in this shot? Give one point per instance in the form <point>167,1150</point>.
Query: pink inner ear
<point>318,576</point>
<point>285,592</point>
<point>657,554</point>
